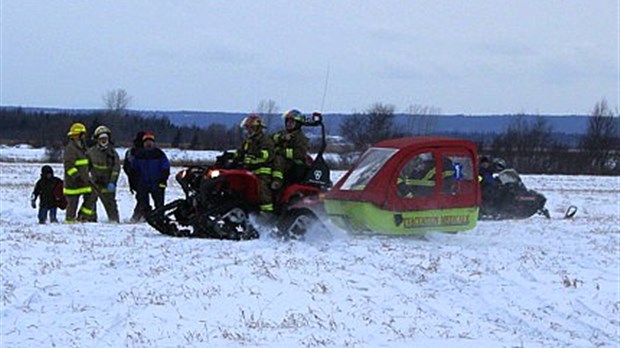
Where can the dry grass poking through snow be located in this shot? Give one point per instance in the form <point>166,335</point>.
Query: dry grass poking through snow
<point>525,283</point>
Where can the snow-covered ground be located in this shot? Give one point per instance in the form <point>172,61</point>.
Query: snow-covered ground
<point>26,153</point>
<point>529,283</point>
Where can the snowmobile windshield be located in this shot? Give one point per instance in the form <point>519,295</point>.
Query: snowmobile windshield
<point>372,160</point>
<point>508,176</point>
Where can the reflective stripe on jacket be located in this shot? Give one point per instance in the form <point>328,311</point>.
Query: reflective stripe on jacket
<point>256,154</point>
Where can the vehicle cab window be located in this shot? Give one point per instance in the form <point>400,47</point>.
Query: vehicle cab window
<point>458,174</point>
<point>417,177</point>
<point>372,160</point>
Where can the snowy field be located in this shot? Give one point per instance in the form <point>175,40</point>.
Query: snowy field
<point>529,283</point>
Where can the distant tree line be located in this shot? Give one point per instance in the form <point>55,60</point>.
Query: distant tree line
<point>50,129</point>
<point>529,147</point>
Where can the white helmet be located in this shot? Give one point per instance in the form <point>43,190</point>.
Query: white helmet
<point>102,130</point>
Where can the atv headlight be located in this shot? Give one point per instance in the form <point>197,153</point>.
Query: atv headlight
<point>214,174</point>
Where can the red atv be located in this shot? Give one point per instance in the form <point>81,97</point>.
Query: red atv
<point>219,200</point>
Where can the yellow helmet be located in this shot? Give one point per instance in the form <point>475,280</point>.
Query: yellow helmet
<point>101,130</point>
<point>76,129</point>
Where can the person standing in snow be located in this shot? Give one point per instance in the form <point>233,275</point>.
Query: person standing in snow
<point>152,168</point>
<point>46,189</point>
<point>105,167</point>
<point>77,178</point>
<point>133,177</point>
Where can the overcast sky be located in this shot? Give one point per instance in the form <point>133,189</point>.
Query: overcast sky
<point>470,57</point>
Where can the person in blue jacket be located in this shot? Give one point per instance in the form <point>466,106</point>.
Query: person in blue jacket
<point>485,172</point>
<point>152,170</point>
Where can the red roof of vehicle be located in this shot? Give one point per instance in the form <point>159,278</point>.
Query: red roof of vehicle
<point>402,143</point>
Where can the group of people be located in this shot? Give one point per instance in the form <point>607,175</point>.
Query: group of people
<point>91,173</point>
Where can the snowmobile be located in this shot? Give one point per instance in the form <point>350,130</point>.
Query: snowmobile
<point>509,198</point>
<point>220,198</point>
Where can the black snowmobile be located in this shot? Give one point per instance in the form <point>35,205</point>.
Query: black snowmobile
<point>508,198</point>
<point>220,198</point>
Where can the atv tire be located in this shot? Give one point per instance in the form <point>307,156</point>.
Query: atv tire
<point>296,224</point>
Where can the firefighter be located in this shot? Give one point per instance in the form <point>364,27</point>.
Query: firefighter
<point>418,177</point>
<point>291,154</point>
<point>256,155</point>
<point>105,168</point>
<point>77,179</point>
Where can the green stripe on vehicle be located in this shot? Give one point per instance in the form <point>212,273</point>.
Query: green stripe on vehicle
<point>364,217</point>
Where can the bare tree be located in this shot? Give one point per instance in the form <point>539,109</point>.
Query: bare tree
<point>116,101</point>
<point>365,129</point>
<point>526,146</point>
<point>421,119</point>
<point>268,110</point>
<point>601,140</point>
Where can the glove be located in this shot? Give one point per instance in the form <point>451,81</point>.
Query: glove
<point>276,185</point>
<point>33,204</point>
<point>249,159</point>
<point>111,187</point>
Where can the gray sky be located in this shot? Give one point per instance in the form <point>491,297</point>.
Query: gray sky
<point>471,57</point>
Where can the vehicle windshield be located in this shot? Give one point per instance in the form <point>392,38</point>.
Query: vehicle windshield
<point>372,160</point>
<point>508,176</point>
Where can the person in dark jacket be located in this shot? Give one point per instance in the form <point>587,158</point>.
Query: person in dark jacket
<point>132,175</point>
<point>78,182</point>
<point>485,171</point>
<point>153,168</point>
<point>45,189</point>
<point>291,151</point>
<point>256,153</point>
<point>105,167</point>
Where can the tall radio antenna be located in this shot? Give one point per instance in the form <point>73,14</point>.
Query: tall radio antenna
<point>325,88</point>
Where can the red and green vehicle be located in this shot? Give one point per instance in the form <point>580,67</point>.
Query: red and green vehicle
<point>408,185</point>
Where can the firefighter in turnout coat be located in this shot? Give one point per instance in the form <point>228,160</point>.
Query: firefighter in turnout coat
<point>105,168</point>
<point>77,179</point>
<point>256,155</point>
<point>291,146</point>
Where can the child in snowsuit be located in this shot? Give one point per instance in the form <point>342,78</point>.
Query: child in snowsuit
<point>49,191</point>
